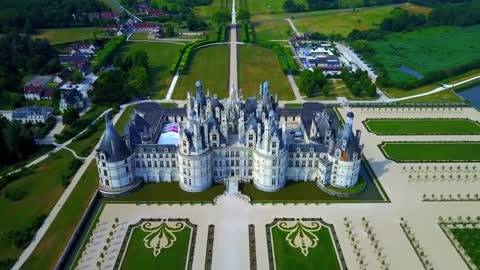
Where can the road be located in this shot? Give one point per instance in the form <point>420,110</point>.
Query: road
<point>351,56</point>
<point>233,82</point>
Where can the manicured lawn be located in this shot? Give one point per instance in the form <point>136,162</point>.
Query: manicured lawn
<point>256,65</point>
<point>43,187</point>
<point>62,228</point>
<point>306,192</point>
<point>84,145</point>
<point>294,105</point>
<point>344,22</point>
<point>470,241</point>
<point>447,96</point>
<point>337,88</point>
<point>424,50</point>
<point>169,192</point>
<point>321,256</point>
<point>65,35</point>
<point>275,30</point>
<point>173,257</point>
<point>431,151</point>
<point>422,126</point>
<point>207,11</point>
<point>209,65</point>
<point>160,57</point>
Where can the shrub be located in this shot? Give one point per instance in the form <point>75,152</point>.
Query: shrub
<point>15,194</point>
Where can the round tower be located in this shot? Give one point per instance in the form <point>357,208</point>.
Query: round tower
<point>114,163</point>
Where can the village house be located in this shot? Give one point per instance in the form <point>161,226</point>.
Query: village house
<point>83,48</point>
<point>37,92</point>
<point>32,114</point>
<point>146,27</point>
<point>71,98</point>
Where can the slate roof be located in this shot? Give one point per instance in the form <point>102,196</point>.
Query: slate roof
<point>112,145</point>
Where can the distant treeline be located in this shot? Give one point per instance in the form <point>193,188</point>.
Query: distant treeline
<point>28,15</point>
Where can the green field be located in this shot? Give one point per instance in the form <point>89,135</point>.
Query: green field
<point>141,252</point>
<point>207,11</point>
<point>344,22</point>
<point>318,250</point>
<point>469,239</point>
<point>256,65</point>
<point>307,192</point>
<point>160,57</point>
<point>422,126</point>
<point>274,30</point>
<point>65,35</point>
<point>170,192</point>
<point>427,50</point>
<point>42,188</point>
<point>62,228</point>
<point>209,65</point>
<point>431,151</point>
<point>268,6</point>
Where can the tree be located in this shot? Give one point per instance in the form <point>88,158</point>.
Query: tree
<point>243,15</point>
<point>312,82</point>
<point>109,88</point>
<point>169,30</point>
<point>137,81</point>
<point>70,116</point>
<point>221,17</point>
<point>77,76</point>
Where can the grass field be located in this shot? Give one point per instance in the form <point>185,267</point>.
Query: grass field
<point>207,11</point>
<point>344,22</point>
<point>170,192</point>
<point>427,50</point>
<point>42,189</point>
<point>62,228</point>
<point>256,65</point>
<point>209,65</point>
<point>268,6</point>
<point>431,151</point>
<point>65,35</point>
<point>422,126</point>
<point>160,57</point>
<point>337,89</point>
<point>173,257</point>
<point>469,239</point>
<point>321,256</point>
<point>447,96</point>
<point>275,30</point>
<point>306,192</point>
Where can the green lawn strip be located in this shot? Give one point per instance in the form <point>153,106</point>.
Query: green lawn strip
<point>337,88</point>
<point>357,188</point>
<point>322,256</point>
<point>447,96</point>
<point>43,187</point>
<point>139,36</point>
<point>422,126</point>
<point>168,105</point>
<point>169,193</point>
<point>424,50</point>
<point>85,143</point>
<point>307,192</point>
<point>174,257</point>
<point>344,22</point>
<point>258,64</point>
<point>209,65</point>
<point>84,121</point>
<point>66,35</point>
<point>275,30</point>
<point>62,228</point>
<point>431,151</point>
<point>160,56</point>
<point>469,239</point>
<point>294,105</point>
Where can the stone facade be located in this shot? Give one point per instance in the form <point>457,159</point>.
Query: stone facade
<point>250,140</point>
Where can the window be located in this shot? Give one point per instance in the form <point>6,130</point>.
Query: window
<point>137,163</point>
<point>250,162</point>
<point>274,144</point>
<point>290,163</point>
<point>103,164</point>
<point>303,163</point>
<point>250,137</point>
<point>173,155</point>
<point>174,164</point>
<point>161,155</point>
<point>227,154</point>
<point>168,164</point>
<point>126,169</point>
<point>237,154</point>
<point>161,163</point>
<point>274,162</point>
<point>304,155</point>
<point>149,164</point>
<point>214,137</point>
<point>215,163</point>
<point>274,172</point>
<point>107,183</point>
<point>311,155</point>
<point>231,163</point>
<point>309,163</point>
<point>237,163</point>
<point>274,152</point>
<point>250,172</point>
<point>105,173</point>
<point>148,155</point>
<point>297,163</point>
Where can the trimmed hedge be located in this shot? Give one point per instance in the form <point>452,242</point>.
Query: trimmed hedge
<point>287,63</point>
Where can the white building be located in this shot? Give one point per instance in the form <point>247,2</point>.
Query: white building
<point>250,140</point>
<point>32,114</point>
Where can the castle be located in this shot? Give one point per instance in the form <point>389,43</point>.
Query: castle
<point>212,140</point>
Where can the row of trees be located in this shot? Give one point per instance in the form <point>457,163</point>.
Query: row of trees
<point>16,142</point>
<point>20,55</point>
<point>28,15</point>
<point>359,83</point>
<point>128,79</point>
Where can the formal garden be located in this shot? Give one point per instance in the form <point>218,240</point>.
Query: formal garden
<point>306,243</point>
<point>158,243</point>
<point>430,126</point>
<point>464,234</point>
<point>431,151</point>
